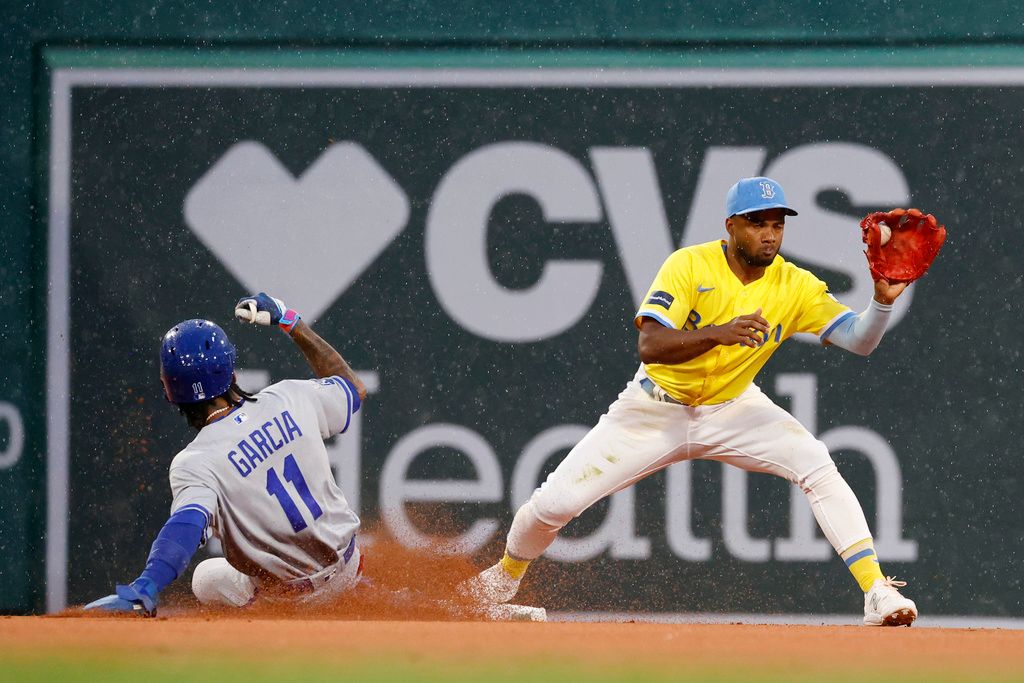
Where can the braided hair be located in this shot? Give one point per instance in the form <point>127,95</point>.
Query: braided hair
<point>197,413</point>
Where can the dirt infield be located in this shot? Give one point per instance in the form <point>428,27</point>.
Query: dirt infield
<point>821,653</point>
<point>408,623</point>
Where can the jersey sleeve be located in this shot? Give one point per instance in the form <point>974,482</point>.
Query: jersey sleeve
<point>820,312</point>
<point>336,401</point>
<point>668,299</point>
<point>192,492</point>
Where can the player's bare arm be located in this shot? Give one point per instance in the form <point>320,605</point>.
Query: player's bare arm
<point>323,358</point>
<point>660,344</point>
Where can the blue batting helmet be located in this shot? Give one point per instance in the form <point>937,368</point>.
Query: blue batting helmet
<point>197,361</point>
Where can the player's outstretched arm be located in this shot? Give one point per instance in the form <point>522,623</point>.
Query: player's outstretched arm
<point>862,333</point>
<point>660,344</point>
<point>171,553</point>
<point>323,359</point>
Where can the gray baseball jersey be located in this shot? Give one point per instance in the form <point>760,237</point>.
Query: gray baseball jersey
<point>261,476</point>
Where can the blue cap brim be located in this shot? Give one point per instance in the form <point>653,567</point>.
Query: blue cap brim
<point>789,211</point>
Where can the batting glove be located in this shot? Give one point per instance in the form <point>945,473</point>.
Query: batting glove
<point>139,598</point>
<point>262,309</point>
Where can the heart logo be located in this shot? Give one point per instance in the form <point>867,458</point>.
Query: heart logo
<point>305,239</point>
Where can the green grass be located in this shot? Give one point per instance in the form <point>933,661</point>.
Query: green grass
<point>178,668</point>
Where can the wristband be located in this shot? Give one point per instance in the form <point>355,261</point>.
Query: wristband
<point>289,320</point>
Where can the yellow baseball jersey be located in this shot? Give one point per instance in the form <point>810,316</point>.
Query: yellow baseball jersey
<point>696,288</point>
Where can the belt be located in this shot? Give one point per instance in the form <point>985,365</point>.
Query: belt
<point>656,392</point>
<point>314,582</point>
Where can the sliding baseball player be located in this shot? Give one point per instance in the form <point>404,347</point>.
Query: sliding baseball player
<point>256,476</point>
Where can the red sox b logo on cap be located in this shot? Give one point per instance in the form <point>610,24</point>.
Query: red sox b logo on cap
<point>755,194</point>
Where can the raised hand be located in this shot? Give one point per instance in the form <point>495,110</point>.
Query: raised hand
<point>263,309</point>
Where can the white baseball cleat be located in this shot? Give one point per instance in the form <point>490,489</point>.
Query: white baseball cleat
<point>516,613</point>
<point>493,585</point>
<point>884,606</point>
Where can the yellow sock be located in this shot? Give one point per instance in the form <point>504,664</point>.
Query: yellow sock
<point>862,562</point>
<point>513,567</point>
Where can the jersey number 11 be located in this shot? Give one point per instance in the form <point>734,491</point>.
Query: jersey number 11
<point>293,474</point>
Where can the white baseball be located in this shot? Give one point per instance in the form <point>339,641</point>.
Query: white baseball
<point>886,232</point>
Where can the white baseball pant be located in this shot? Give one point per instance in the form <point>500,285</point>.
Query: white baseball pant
<point>640,435</point>
<point>215,582</point>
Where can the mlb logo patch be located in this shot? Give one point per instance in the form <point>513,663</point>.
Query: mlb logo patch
<point>663,299</point>
<point>240,418</point>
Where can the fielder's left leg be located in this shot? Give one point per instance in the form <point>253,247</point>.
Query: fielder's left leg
<point>753,433</point>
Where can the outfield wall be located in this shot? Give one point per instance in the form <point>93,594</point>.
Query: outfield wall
<point>481,223</point>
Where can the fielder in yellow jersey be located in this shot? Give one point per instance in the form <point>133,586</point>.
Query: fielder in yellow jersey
<point>696,288</point>
<point>713,316</point>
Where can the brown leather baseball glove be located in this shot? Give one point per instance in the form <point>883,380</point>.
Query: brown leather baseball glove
<point>913,243</point>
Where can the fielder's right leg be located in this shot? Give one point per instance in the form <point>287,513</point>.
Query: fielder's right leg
<point>636,437</point>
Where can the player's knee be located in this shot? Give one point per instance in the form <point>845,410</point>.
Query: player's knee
<point>808,458</point>
<point>820,476</point>
<point>215,582</point>
<point>556,510</point>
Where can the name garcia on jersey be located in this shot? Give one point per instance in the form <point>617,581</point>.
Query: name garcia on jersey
<point>263,443</point>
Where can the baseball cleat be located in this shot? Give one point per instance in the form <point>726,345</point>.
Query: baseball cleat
<point>506,612</point>
<point>884,606</point>
<point>492,586</point>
